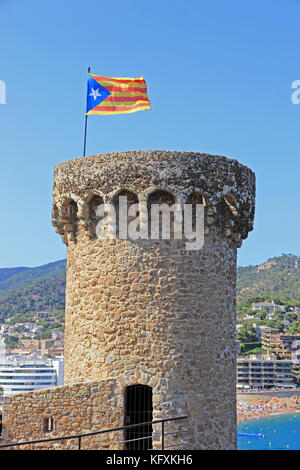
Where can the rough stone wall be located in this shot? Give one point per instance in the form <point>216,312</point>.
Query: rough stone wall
<point>164,325</point>
<point>151,312</point>
<point>75,409</point>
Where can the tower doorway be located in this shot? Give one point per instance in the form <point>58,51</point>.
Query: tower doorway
<point>138,409</point>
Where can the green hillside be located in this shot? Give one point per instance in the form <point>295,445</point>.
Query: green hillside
<point>24,291</point>
<point>277,279</point>
<point>12,278</point>
<point>6,273</point>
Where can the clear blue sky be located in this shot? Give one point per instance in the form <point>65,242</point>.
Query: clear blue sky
<point>219,77</point>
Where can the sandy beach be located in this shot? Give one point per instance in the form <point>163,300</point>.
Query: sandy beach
<point>257,407</point>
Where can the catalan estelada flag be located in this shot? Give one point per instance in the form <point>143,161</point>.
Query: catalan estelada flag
<point>116,95</point>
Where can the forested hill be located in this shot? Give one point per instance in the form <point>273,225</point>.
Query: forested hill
<point>277,279</point>
<point>11,278</point>
<point>6,273</point>
<point>24,291</point>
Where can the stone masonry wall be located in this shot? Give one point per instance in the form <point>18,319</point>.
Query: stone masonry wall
<point>75,409</point>
<point>166,325</point>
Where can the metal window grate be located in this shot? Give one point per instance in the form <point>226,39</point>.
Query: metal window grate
<point>138,409</point>
<point>48,424</point>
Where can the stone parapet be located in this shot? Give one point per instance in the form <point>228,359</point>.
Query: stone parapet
<point>226,186</point>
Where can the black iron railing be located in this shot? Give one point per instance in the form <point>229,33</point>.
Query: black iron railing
<point>106,431</point>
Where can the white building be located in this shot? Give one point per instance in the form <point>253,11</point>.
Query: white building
<point>261,372</point>
<point>3,328</point>
<point>17,375</point>
<point>296,352</point>
<point>270,307</point>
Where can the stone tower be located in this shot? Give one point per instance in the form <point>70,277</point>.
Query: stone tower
<point>151,312</point>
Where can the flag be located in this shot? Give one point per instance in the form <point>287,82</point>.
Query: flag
<point>116,95</point>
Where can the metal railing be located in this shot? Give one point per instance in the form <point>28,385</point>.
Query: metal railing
<point>106,431</point>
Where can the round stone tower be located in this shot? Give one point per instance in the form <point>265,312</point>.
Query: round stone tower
<point>149,311</point>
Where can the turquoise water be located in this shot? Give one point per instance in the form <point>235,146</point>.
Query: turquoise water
<point>281,432</point>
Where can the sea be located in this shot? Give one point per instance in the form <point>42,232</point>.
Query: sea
<point>278,432</point>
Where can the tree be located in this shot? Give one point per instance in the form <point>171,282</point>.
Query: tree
<point>276,324</point>
<point>292,317</point>
<point>11,341</point>
<point>263,314</point>
<point>247,333</point>
<point>248,338</point>
<point>254,351</point>
<point>295,328</point>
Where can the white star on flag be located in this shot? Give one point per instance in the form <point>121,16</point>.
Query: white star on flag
<point>95,93</point>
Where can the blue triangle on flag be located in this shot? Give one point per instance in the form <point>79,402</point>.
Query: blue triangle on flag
<point>96,93</point>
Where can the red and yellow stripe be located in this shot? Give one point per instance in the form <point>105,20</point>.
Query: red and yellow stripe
<point>128,95</point>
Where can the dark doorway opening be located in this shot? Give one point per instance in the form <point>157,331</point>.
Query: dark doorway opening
<point>138,409</point>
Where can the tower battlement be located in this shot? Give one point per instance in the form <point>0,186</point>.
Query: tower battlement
<point>223,185</point>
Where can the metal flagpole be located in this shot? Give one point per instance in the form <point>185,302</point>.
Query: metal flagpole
<point>85,127</point>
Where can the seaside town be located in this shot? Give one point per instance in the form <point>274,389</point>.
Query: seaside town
<point>268,379</point>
